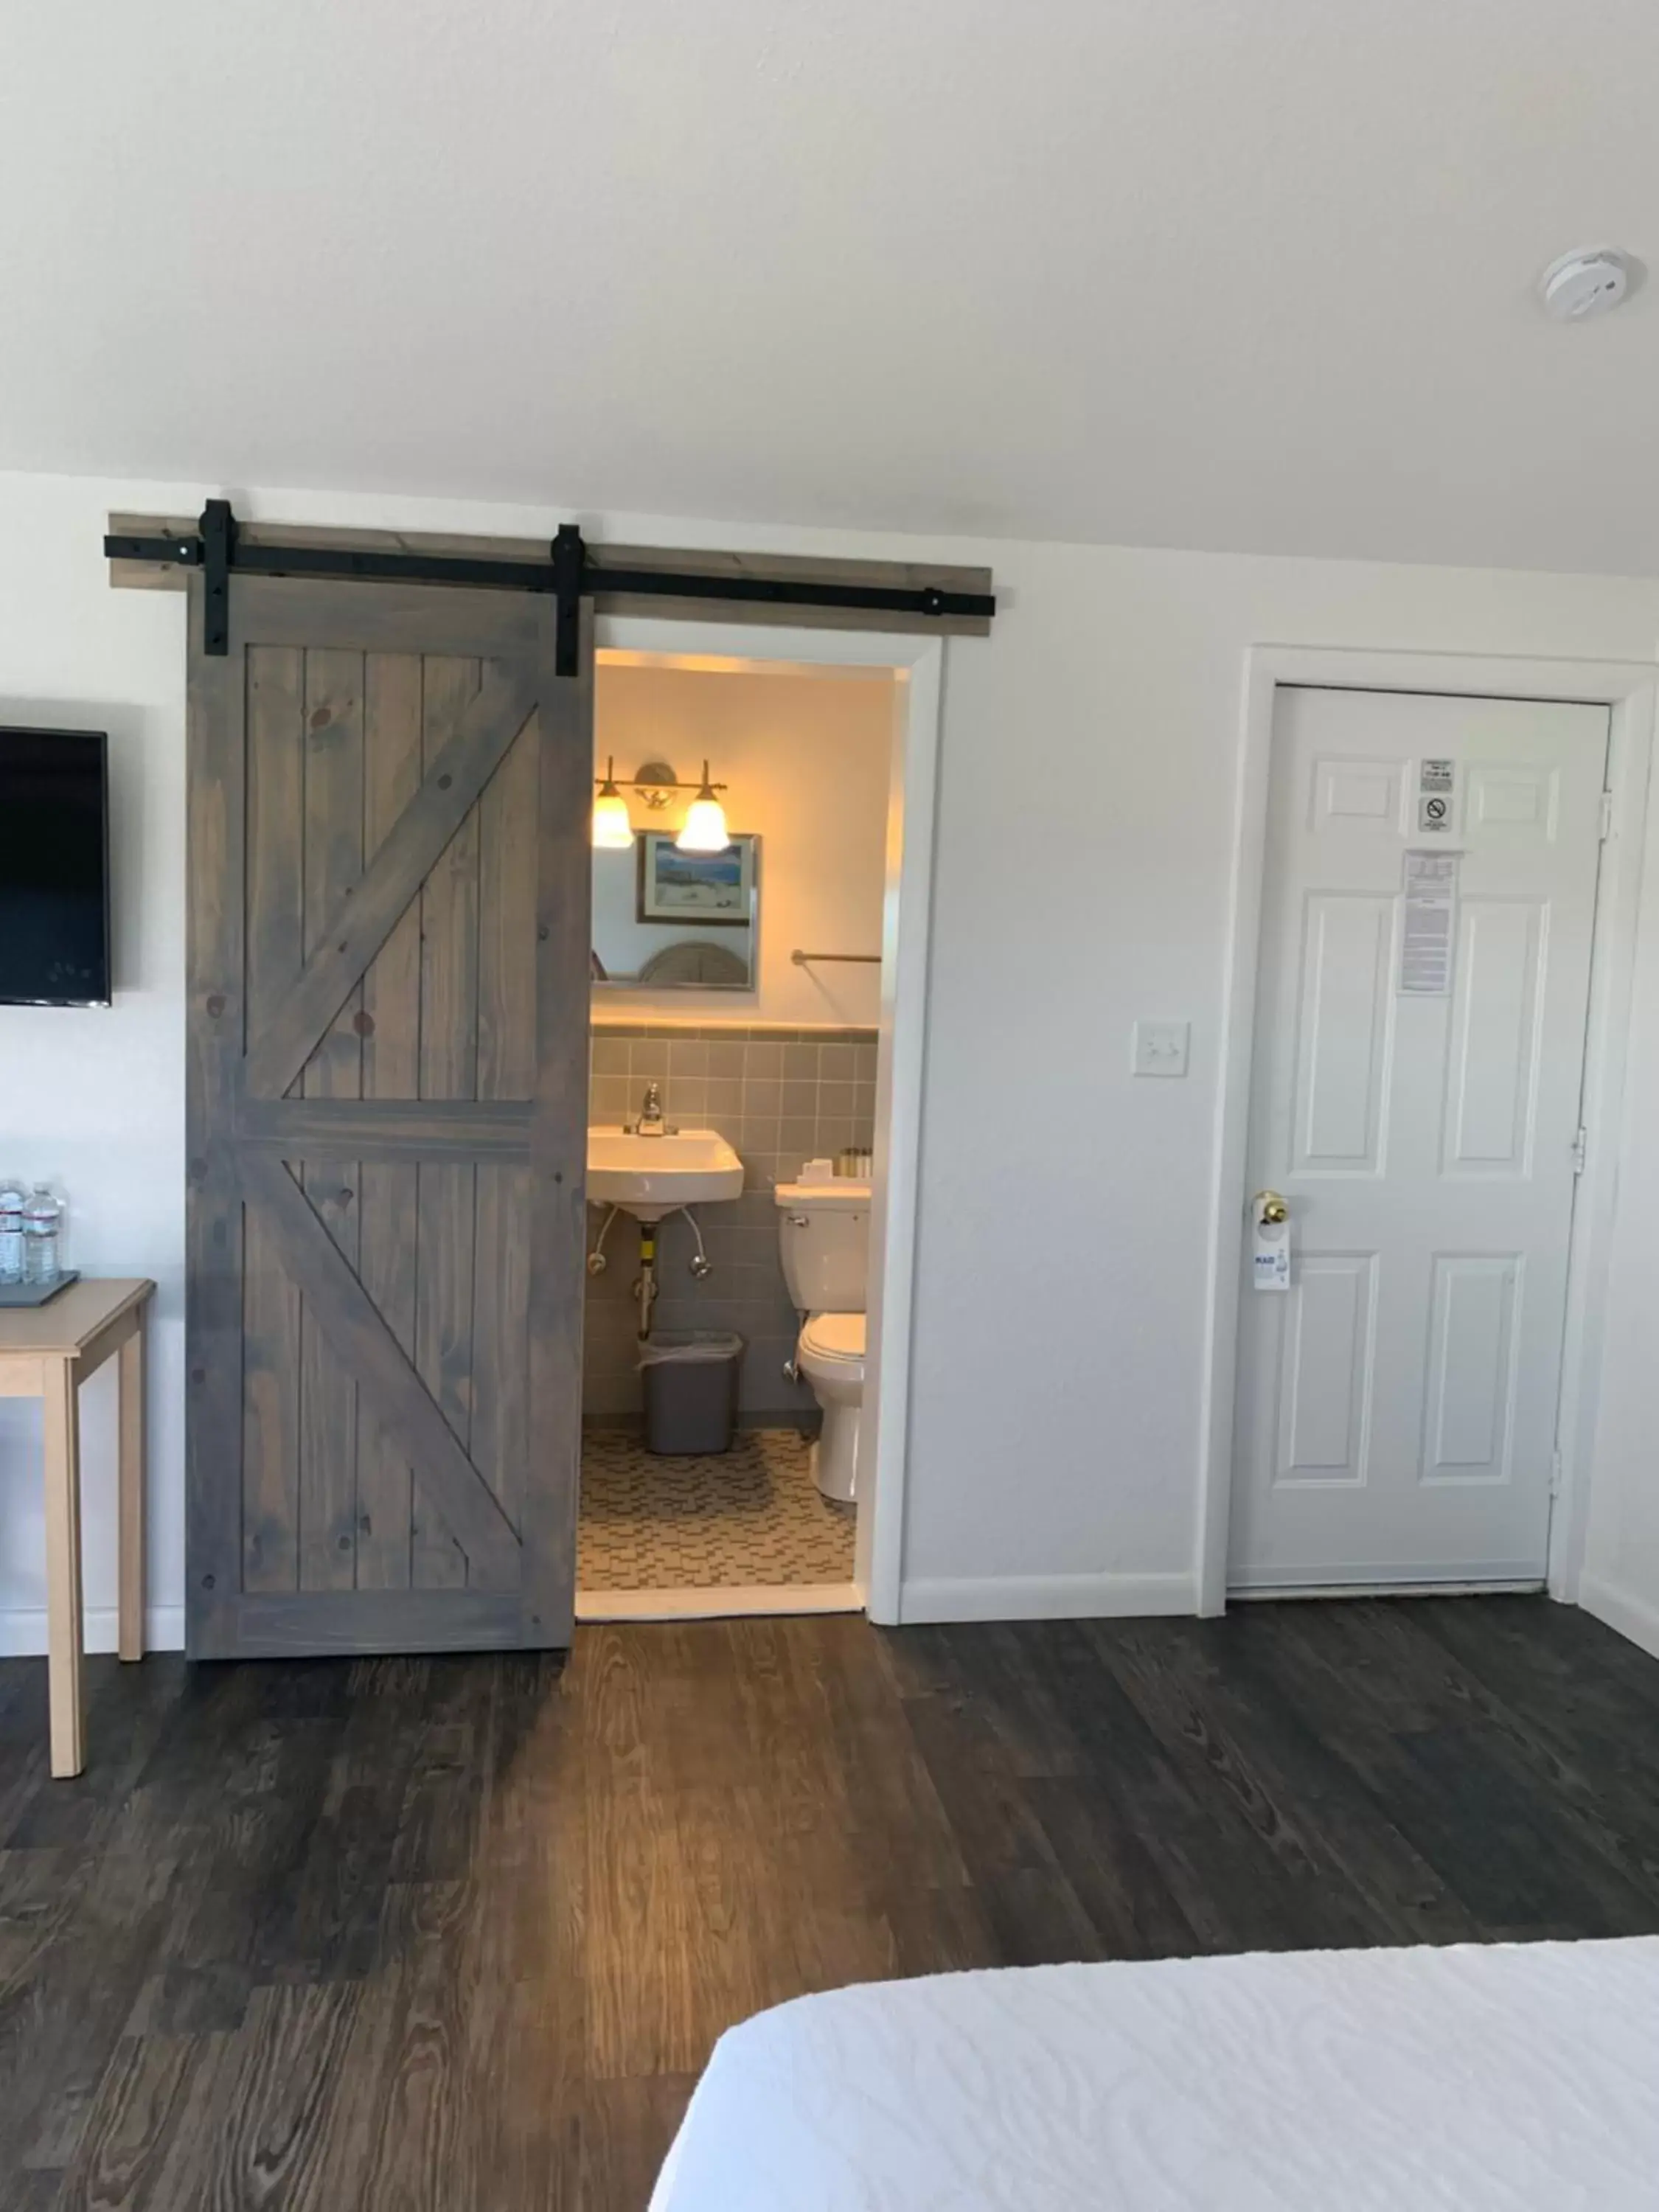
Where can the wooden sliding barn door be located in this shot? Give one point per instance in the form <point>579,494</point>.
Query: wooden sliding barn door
<point>390,790</point>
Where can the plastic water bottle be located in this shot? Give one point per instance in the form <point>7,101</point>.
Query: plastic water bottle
<point>41,1216</point>
<point>11,1230</point>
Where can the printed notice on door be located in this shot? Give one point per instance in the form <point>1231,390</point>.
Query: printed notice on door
<point>1431,925</point>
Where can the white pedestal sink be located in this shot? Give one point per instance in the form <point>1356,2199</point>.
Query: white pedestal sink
<point>649,1176</point>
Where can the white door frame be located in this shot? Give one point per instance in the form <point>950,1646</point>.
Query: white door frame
<point>907,911</point>
<point>1631,691</point>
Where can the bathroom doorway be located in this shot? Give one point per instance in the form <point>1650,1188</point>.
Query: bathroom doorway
<point>773,998</point>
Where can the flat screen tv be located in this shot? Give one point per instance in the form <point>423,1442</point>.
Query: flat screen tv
<point>54,868</point>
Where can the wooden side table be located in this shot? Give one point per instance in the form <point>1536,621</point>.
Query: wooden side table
<point>47,1352</point>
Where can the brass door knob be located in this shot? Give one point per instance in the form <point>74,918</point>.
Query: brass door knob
<point>1270,1208</point>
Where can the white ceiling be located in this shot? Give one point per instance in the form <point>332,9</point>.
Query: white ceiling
<point>1227,273</point>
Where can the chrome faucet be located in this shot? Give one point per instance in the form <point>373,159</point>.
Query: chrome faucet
<point>650,1121</point>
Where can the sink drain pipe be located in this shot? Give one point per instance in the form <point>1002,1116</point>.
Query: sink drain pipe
<point>645,1288</point>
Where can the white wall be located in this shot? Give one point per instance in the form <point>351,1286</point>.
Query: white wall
<point>91,1100</point>
<point>1086,811</point>
<point>806,762</point>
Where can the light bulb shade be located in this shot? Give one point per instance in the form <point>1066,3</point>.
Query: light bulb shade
<point>705,829</point>
<point>612,830</point>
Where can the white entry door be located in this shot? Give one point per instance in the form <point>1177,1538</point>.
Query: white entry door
<point>1416,1092</point>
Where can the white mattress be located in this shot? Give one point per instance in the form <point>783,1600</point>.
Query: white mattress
<point>1506,2075</point>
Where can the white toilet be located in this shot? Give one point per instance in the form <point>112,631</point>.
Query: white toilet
<point>824,1230</point>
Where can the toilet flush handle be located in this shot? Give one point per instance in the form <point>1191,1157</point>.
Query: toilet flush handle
<point>799,1221</point>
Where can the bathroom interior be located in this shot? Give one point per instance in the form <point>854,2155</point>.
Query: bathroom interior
<point>740,868</point>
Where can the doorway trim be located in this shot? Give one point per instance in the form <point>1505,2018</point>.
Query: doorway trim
<point>918,664</point>
<point>1630,690</point>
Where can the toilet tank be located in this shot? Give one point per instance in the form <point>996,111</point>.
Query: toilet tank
<point>823,1233</point>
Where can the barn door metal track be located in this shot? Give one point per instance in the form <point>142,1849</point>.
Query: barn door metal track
<point>220,552</point>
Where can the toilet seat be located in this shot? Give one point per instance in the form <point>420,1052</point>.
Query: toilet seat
<point>835,1339</point>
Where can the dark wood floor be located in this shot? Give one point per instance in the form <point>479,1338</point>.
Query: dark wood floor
<point>459,1933</point>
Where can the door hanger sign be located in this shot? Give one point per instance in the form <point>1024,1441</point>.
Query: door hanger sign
<point>1270,1242</point>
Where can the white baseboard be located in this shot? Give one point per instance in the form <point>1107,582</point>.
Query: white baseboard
<point>23,1630</point>
<point>1046,1597</point>
<point>1631,1616</point>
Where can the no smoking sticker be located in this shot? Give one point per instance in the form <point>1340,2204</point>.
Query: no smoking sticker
<point>1434,813</point>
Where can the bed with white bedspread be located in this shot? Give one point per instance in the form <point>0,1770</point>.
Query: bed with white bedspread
<point>1483,2078</point>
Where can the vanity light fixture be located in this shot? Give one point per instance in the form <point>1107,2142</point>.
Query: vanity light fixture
<point>612,830</point>
<point>705,829</point>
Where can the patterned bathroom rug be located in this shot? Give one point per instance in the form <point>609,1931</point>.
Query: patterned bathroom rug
<point>751,1516</point>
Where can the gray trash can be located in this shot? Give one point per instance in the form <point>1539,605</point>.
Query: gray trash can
<point>690,1391</point>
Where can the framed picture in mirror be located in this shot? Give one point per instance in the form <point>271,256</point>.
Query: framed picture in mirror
<point>714,889</point>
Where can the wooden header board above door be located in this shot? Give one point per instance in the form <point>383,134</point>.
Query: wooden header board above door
<point>803,570</point>
<point>389,801</point>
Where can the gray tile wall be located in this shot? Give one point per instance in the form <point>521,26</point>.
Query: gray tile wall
<point>778,1096</point>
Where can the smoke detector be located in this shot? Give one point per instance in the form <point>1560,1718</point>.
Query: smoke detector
<point>1590,281</point>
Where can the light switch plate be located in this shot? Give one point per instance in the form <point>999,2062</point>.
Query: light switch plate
<point>1160,1048</point>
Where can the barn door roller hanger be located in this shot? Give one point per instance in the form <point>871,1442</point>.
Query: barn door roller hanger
<point>569,574</point>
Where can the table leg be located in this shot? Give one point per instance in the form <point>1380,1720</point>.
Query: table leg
<point>64,1625</point>
<point>130,1603</point>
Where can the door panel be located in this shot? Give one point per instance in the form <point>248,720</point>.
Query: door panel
<point>1472,1304</point>
<point>388,1057</point>
<point>1492,1092</point>
<point>1326,1390</point>
<point>1397,1407</point>
<point>1344,1025</point>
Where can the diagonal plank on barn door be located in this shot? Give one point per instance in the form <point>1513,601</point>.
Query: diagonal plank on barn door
<point>402,1405</point>
<point>359,924</point>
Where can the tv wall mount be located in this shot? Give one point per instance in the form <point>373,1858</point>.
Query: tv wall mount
<point>569,574</point>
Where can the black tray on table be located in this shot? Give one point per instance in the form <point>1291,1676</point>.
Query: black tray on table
<point>36,1294</point>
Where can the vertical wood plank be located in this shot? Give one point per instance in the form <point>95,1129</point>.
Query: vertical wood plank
<point>276,953</point>
<point>333,865</point>
<point>215,1037</point>
<point>508,847</point>
<point>500,1444</point>
<point>63,1611</point>
<point>507,923</point>
<point>333,844</point>
<point>443,1349</point>
<point>276,811</point>
<point>388,1192</point>
<point>131,1477</point>
<point>449,908</point>
<point>448,1069</point>
<point>558,1156</point>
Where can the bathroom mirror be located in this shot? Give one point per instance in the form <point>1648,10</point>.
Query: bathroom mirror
<point>668,920</point>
